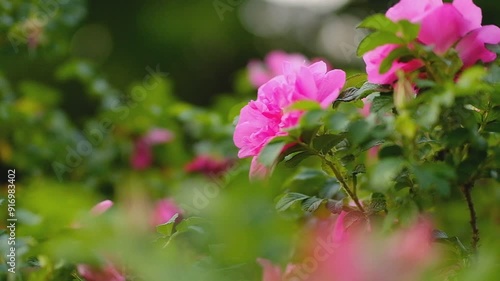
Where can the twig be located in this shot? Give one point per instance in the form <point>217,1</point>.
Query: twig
<point>467,188</point>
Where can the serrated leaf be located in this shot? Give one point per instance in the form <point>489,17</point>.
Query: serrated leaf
<point>351,94</point>
<point>409,30</point>
<point>438,234</point>
<point>334,206</point>
<point>325,143</point>
<point>168,227</point>
<point>288,199</point>
<point>379,22</point>
<point>375,40</point>
<point>311,204</point>
<point>356,80</point>
<point>294,159</point>
<point>382,103</point>
<point>377,203</point>
<point>191,223</point>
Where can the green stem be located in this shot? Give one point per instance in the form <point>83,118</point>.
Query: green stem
<point>343,183</point>
<point>337,174</point>
<point>467,188</point>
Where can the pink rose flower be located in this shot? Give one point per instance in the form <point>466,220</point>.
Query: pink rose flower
<point>261,72</point>
<point>164,210</point>
<point>443,25</point>
<point>106,273</point>
<point>267,117</point>
<point>142,155</point>
<point>208,165</point>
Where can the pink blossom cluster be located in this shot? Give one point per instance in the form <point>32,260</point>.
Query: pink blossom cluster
<point>269,115</point>
<point>442,27</point>
<point>353,252</point>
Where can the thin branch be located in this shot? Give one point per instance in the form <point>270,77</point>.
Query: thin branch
<point>466,189</point>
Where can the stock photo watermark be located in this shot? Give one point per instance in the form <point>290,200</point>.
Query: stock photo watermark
<point>11,221</point>
<point>95,136</point>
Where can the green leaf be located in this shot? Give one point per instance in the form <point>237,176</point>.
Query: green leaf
<point>390,151</point>
<point>355,81</point>
<point>325,143</point>
<point>359,131</point>
<point>334,206</point>
<point>377,203</point>
<point>168,227</point>
<point>312,119</point>
<point>288,199</point>
<point>375,40</point>
<point>294,159</point>
<point>396,54</point>
<point>382,103</point>
<point>368,88</point>
<point>191,223</point>
<point>379,22</point>
<point>493,127</point>
<point>311,204</point>
<point>436,176</point>
<point>384,173</point>
<point>337,122</point>
<point>409,30</point>
<point>272,151</point>
<point>305,105</point>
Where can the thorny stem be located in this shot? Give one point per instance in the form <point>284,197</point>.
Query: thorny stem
<point>342,181</point>
<point>466,189</point>
<point>337,174</point>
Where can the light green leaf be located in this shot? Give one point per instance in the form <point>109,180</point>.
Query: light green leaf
<point>379,22</point>
<point>375,40</point>
<point>168,227</point>
<point>272,151</point>
<point>288,199</point>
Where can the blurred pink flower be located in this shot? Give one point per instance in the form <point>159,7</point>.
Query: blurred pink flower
<point>268,117</point>
<point>142,155</point>
<point>275,61</point>
<point>271,272</point>
<point>351,251</point>
<point>106,273</point>
<point>458,22</point>
<point>101,207</point>
<point>164,210</point>
<point>208,165</point>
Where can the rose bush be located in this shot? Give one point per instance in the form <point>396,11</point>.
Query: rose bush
<point>321,174</point>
